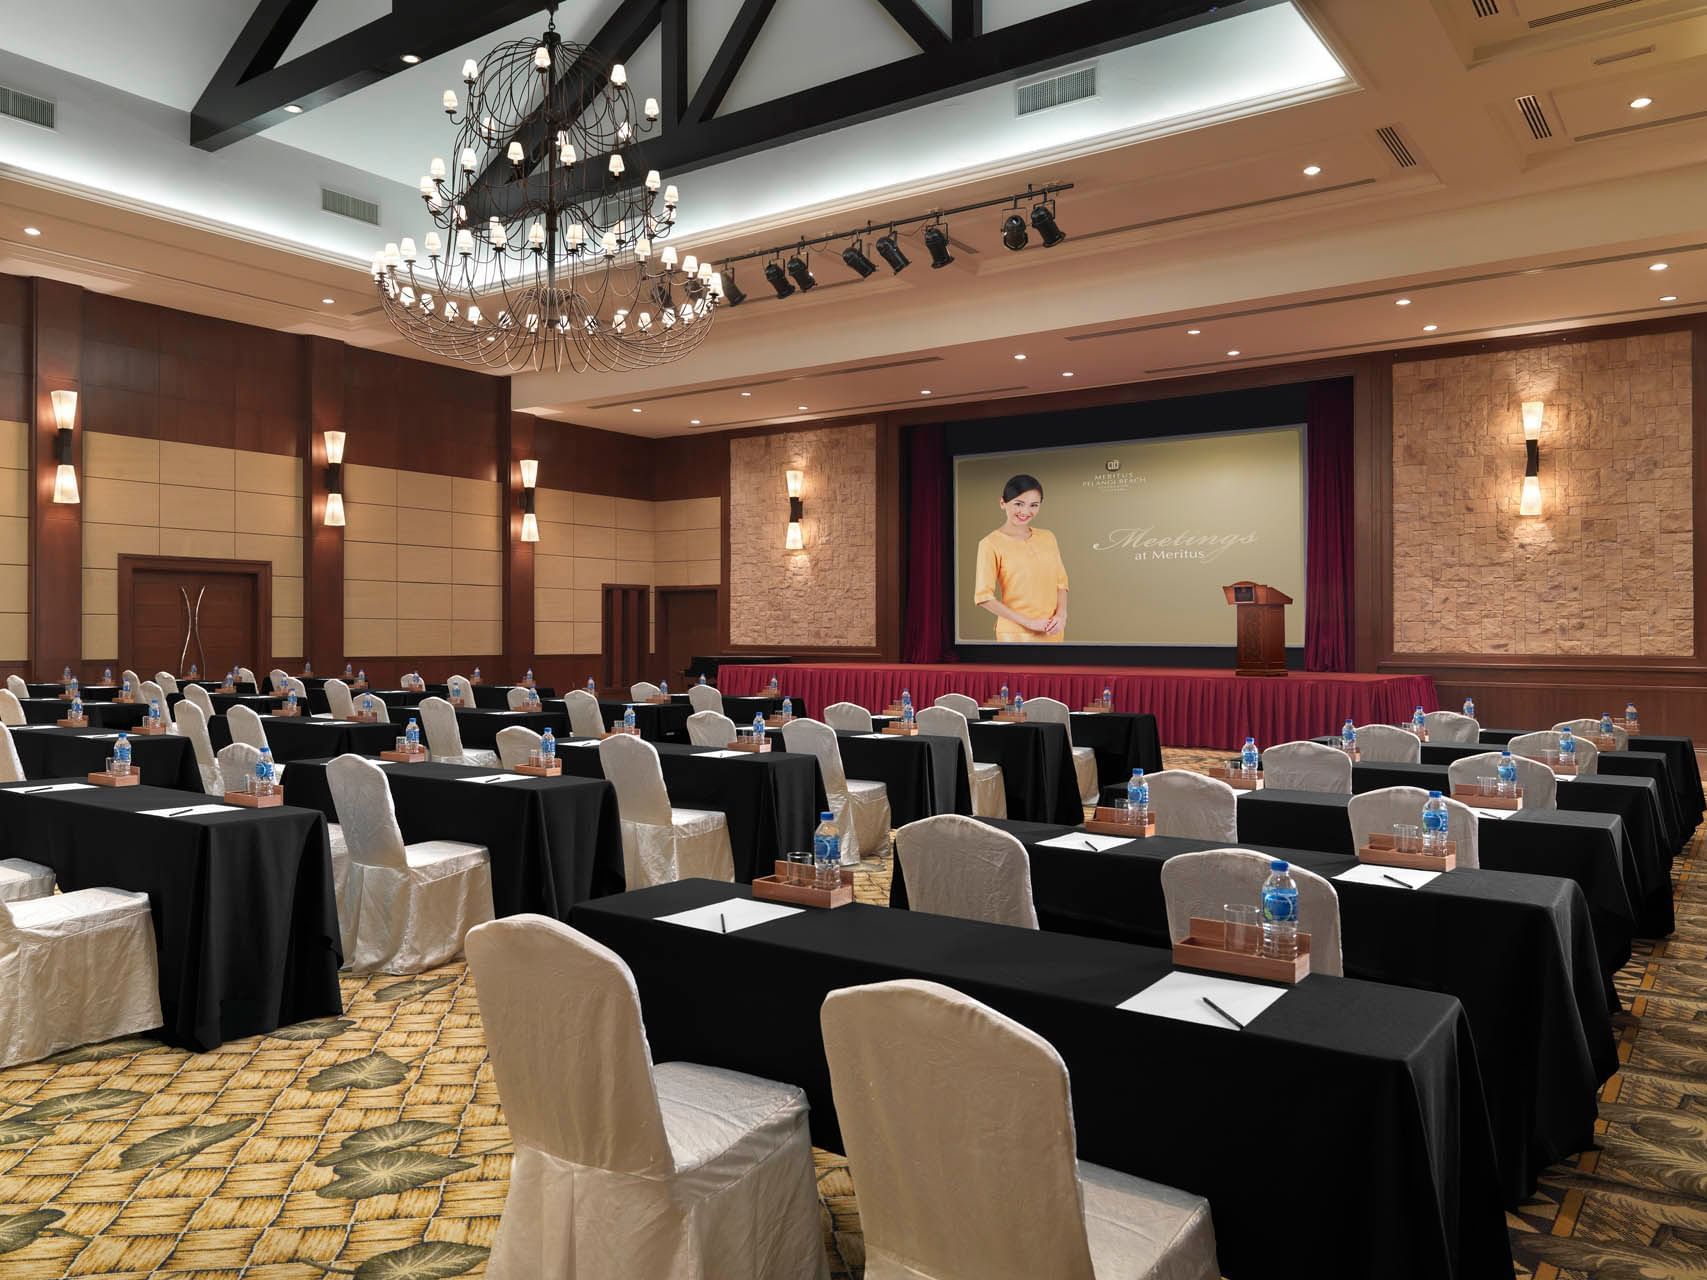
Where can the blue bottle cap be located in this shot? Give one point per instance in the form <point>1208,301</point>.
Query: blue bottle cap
<point>1434,795</point>
<point>1277,865</point>
<point>1137,773</point>
<point>1506,751</point>
<point>825,816</point>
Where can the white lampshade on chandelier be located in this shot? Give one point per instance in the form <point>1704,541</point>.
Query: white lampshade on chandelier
<point>522,264</point>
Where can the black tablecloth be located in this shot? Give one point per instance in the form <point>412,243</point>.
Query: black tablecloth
<point>106,715</point>
<point>305,738</point>
<point>1517,951</point>
<point>1373,1092</point>
<point>89,692</point>
<point>770,799</point>
<point>1588,848</point>
<point>1123,741</point>
<point>657,721</point>
<point>1635,800</point>
<point>742,709</point>
<point>1683,769</point>
<point>479,727</point>
<point>163,759</point>
<point>1037,768</point>
<point>925,774</point>
<point>554,841</point>
<point>245,921</point>
<point>311,683</point>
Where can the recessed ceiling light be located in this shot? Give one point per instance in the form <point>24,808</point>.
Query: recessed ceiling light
<point>1067,373</point>
<point>1019,355</point>
<point>1658,266</point>
<point>637,411</point>
<point>1311,170</point>
<point>801,407</point>
<point>1401,302</point>
<point>1194,332</point>
<point>411,58</point>
<point>1669,297</point>
<point>1430,328</point>
<point>293,109</point>
<point>32,231</point>
<point>746,395</point>
<point>924,391</point>
<point>328,302</point>
<point>1234,352</point>
<point>693,422</point>
<point>1636,104</point>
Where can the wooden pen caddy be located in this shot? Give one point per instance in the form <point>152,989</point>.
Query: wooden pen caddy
<point>1205,947</point>
<point>776,720</point>
<point>777,889</point>
<point>1472,793</point>
<point>1110,822</point>
<point>901,730</point>
<point>616,729</point>
<point>418,756</point>
<point>73,722</point>
<point>249,800</point>
<point>552,770</point>
<point>287,711</point>
<point>365,717</point>
<point>105,779</point>
<point>143,730</point>
<point>1234,778</point>
<point>1094,709</point>
<point>660,700</point>
<point>1010,717</point>
<point>1383,851</point>
<point>749,744</point>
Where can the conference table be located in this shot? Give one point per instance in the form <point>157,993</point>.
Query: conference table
<point>553,841</point>
<point>656,721</point>
<point>245,921</point>
<point>1518,951</point>
<point>770,799</point>
<point>924,774</point>
<point>47,751</point>
<point>89,692</point>
<point>103,714</point>
<point>1683,768</point>
<point>742,709</point>
<point>479,726</point>
<point>1383,1161</point>
<point>302,737</point>
<point>1037,768</point>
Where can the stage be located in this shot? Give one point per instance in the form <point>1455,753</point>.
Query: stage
<point>1193,708</point>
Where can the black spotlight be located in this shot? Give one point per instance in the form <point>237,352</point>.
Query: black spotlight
<point>732,293</point>
<point>802,277</point>
<point>857,262</point>
<point>1014,234</point>
<point>779,281</point>
<point>936,240</point>
<point>890,251</point>
<point>1043,218</point>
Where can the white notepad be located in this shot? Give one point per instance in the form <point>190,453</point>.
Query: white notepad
<point>496,777</point>
<point>1180,995</point>
<point>1492,813</point>
<point>1368,873</point>
<point>723,753</point>
<point>881,737</point>
<point>731,915</point>
<point>45,787</point>
<point>100,737</point>
<point>583,742</point>
<point>188,811</point>
<point>1085,840</point>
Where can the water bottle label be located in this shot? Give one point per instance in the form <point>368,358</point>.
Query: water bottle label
<point>1434,820</point>
<point>1279,906</point>
<point>827,848</point>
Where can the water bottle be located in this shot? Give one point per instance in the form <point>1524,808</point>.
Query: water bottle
<point>106,675</point>
<point>1019,705</point>
<point>290,701</point>
<point>1107,698</point>
<point>1004,695</point>
<point>1606,724</point>
<point>788,708</point>
<point>307,667</point>
<point>153,712</point>
<point>663,688</point>
<point>121,752</point>
<point>1435,822</point>
<point>367,704</point>
<point>908,717</point>
<point>1348,736</point>
<point>1280,913</point>
<point>477,675</point>
<point>1507,774</point>
<point>591,687</point>
<point>65,677</point>
<point>528,678</point>
<point>127,688</point>
<point>412,734</point>
<point>194,673</point>
<point>702,680</point>
<point>1630,723</point>
<point>361,676</point>
<point>547,746</point>
<point>1419,722</point>
<point>76,707</point>
<point>773,684</point>
<point>759,726</point>
<point>1249,758</point>
<point>628,718</point>
<point>827,852</point>
<point>1567,749</point>
<point>74,686</point>
<point>906,700</point>
<point>1138,799</point>
<point>1470,707</point>
<point>348,670</point>
<point>262,767</point>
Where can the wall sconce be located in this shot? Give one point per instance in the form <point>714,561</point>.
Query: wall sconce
<point>795,541</point>
<point>1533,411</point>
<point>65,418</point>
<point>334,480</point>
<point>530,480</point>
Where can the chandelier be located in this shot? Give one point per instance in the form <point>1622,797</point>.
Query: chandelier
<point>529,264</point>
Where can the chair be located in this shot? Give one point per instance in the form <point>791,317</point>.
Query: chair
<point>21,880</point>
<point>989,789</point>
<point>967,707</point>
<point>861,807</point>
<point>246,726</point>
<point>1589,727</point>
<point>11,710</point>
<point>1377,812</point>
<point>198,695</point>
<point>372,702</point>
<point>11,767</point>
<point>1193,805</point>
<point>410,904</point>
<point>278,678</point>
<point>19,688</point>
<point>626,1170</point>
<point>167,681</point>
<point>516,744</point>
<point>246,676</point>
<point>1053,711</point>
<point>237,761</point>
<point>444,735</point>
<point>1201,883</point>
<point>705,698</point>
<point>1533,744</point>
<point>1384,742</point>
<point>585,718</point>
<point>849,717</point>
<point>520,698</point>
<point>1540,787</point>
<point>959,866</point>
<point>459,687</point>
<point>296,686</point>
<point>916,1070</point>
<point>1450,726</point>
<point>1305,766</point>
<point>75,968</point>
<point>642,691</point>
<point>661,843</point>
<point>192,724</point>
<point>135,681</point>
<point>153,695</point>
<point>338,700</point>
<point>710,729</point>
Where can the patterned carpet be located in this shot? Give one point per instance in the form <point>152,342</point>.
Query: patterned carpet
<point>373,1145</point>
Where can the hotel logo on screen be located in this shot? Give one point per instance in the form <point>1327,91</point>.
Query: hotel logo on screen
<point>1112,479</point>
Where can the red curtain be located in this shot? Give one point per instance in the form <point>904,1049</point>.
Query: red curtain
<point>1328,544</point>
<point>929,611</point>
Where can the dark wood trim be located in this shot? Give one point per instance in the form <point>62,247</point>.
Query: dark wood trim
<point>891,535</point>
<point>55,531</point>
<point>1372,513</point>
<point>1523,341</point>
<point>515,442</point>
<point>322,548</point>
<point>260,570</point>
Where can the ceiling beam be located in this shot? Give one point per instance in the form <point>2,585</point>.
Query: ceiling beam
<point>726,63</point>
<point>920,27</point>
<point>967,19</point>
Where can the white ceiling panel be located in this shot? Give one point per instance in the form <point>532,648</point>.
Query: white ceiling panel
<point>807,43</point>
<point>330,19</point>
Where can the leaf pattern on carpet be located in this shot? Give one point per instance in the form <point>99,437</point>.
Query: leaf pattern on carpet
<point>430,1260</point>
<point>388,1172</point>
<point>375,1071</point>
<point>182,1142</point>
<point>387,1137</point>
<point>73,1104</point>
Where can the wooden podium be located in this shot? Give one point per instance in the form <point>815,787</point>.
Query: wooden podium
<point>1261,628</point>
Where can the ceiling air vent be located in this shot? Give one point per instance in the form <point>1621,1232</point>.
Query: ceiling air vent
<point>1534,117</point>
<point>348,206</point>
<point>1396,147</point>
<point>1486,8</point>
<point>25,107</point>
<point>1587,10</point>
<point>1056,91</point>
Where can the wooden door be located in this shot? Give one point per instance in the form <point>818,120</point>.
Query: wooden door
<point>626,619</point>
<point>174,612</point>
<point>687,625</point>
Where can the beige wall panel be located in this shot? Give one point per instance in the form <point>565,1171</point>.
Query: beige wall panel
<point>669,573</point>
<point>423,600</point>
<point>595,509</point>
<point>556,539</point>
<point>205,543</point>
<point>477,604</point>
<point>634,571</point>
<point>376,561</point>
<point>592,541</point>
<point>681,544</point>
<point>364,599</point>
<point>14,492</point>
<point>424,528</point>
<point>586,638</point>
<point>15,540</point>
<point>426,637</point>
<point>478,533</point>
<point>424,490</point>
<point>370,637</point>
<point>369,522</point>
<point>424,564</point>
<point>182,507</point>
<point>589,606</point>
<point>100,590</point>
<point>591,575</point>
<point>689,513</point>
<point>102,543</point>
<point>14,637</point>
<point>553,571</point>
<point>287,597</point>
<point>476,497</point>
<point>553,606</point>
<point>555,505</point>
<point>704,572</point>
<point>121,457</point>
<point>632,513</point>
<point>268,513</point>
<point>15,445</point>
<point>469,636</point>
<point>477,568</point>
<point>287,636</point>
<point>100,635</point>
<point>273,473</point>
<point>126,502</point>
<point>377,485</point>
<point>15,589</point>
<point>551,637</point>
<point>633,545</point>
<point>200,466</point>
<point>284,554</point>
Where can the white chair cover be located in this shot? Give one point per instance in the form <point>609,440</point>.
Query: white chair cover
<point>1305,766</point>
<point>75,968</point>
<point>705,698</point>
<point>21,879</point>
<point>11,710</point>
<point>642,691</point>
<point>519,698</point>
<point>11,768</point>
<point>960,702</point>
<point>1540,786</point>
<point>460,687</point>
<point>710,729</point>
<point>246,676</point>
<point>516,744</point>
<point>18,687</point>
<point>989,789</point>
<point>1202,883</point>
<point>625,1170</point>
<point>246,726</point>
<point>237,761</point>
<point>1054,711</point>
<point>959,866</point>
<point>1589,727</point>
<point>296,686</point>
<point>339,701</point>
<point>848,717</point>
<point>1533,744</point>
<point>661,843</point>
<point>167,681</point>
<point>1377,812</point>
<point>444,736</point>
<point>915,1068</point>
<point>859,806</point>
<point>278,677</point>
<point>1450,726</point>
<point>1386,743</point>
<point>135,681</point>
<point>153,695</point>
<point>410,905</point>
<point>372,702</point>
<point>192,724</point>
<point>200,696</point>
<point>585,719</point>
<point>1193,805</point>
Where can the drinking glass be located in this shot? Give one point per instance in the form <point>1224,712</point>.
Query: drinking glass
<point>1244,928</point>
<point>1122,811</point>
<point>1280,939</point>
<point>402,744</point>
<point>1488,784</point>
<point>1407,837</point>
<point>828,875</point>
<point>117,769</point>
<point>800,869</point>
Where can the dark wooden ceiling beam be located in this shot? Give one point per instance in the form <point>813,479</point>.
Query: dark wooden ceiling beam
<point>920,27</point>
<point>726,62</point>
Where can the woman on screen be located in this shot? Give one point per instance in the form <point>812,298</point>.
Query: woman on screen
<point>1020,575</point>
